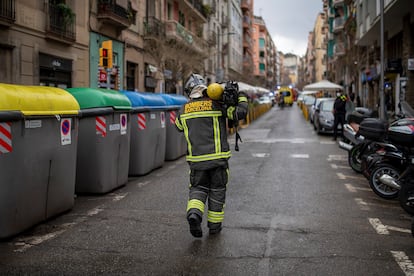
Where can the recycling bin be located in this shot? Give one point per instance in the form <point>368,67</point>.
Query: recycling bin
<point>104,140</point>
<point>148,132</point>
<point>38,142</point>
<point>176,145</point>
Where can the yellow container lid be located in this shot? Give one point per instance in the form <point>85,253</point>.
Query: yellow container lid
<point>37,100</point>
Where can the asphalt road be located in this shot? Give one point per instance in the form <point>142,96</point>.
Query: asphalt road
<point>294,207</point>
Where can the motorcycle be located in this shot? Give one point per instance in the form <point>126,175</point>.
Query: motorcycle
<point>400,132</point>
<point>373,130</point>
<point>390,160</point>
<point>350,129</point>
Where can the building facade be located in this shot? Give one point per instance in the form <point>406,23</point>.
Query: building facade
<point>135,45</point>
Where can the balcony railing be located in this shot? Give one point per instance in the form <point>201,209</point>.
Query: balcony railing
<point>114,14</point>
<point>175,30</point>
<point>198,6</point>
<point>338,23</point>
<point>7,12</point>
<point>339,49</point>
<point>338,2</point>
<point>154,28</point>
<point>245,4</point>
<point>60,25</point>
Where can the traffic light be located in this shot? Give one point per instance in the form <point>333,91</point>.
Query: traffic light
<point>107,45</point>
<point>103,57</point>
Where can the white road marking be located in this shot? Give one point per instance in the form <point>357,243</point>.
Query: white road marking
<point>260,155</point>
<point>27,242</point>
<point>36,240</point>
<point>334,166</point>
<point>327,142</point>
<point>354,189</point>
<point>362,204</point>
<point>264,264</point>
<point>118,197</point>
<point>343,176</point>
<point>404,262</point>
<point>299,155</point>
<point>383,229</point>
<point>142,184</point>
<point>337,157</point>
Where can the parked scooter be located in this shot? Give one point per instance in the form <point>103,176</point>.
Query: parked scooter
<point>350,129</point>
<point>397,171</point>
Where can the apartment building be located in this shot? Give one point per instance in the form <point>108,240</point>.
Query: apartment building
<point>44,42</point>
<point>354,49</point>
<point>315,57</point>
<point>264,55</point>
<point>135,45</point>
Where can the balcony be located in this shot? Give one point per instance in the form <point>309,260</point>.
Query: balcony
<point>337,2</point>
<point>339,49</point>
<point>111,13</point>
<point>212,38</point>
<point>196,7</point>
<point>178,33</point>
<point>7,13</point>
<point>60,24</point>
<point>246,5</point>
<point>338,24</point>
<point>154,28</point>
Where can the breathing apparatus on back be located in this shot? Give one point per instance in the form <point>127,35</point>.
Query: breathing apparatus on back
<point>229,96</point>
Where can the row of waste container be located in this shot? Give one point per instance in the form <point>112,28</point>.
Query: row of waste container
<point>57,142</point>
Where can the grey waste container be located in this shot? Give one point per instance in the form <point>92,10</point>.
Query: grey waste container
<point>148,132</point>
<point>38,140</point>
<point>104,140</point>
<point>176,145</point>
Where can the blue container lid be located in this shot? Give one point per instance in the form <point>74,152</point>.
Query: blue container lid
<point>174,99</point>
<point>138,99</point>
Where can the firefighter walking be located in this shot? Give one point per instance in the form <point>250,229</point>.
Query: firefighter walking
<point>204,123</point>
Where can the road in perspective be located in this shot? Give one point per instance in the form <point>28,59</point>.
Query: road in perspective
<point>293,207</point>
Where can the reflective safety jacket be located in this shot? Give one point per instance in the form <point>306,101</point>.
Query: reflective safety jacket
<point>204,123</point>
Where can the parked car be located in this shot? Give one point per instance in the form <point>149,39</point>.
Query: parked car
<point>313,108</point>
<point>324,118</point>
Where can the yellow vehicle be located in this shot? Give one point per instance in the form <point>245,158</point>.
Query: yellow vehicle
<point>286,94</point>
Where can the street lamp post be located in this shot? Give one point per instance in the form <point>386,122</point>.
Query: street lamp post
<point>381,90</point>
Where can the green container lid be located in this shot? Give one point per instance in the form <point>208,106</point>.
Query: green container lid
<point>99,97</point>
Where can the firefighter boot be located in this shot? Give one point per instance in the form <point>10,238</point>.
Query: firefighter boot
<point>215,228</point>
<point>195,225</point>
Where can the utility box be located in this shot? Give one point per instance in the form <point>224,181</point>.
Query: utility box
<point>38,143</point>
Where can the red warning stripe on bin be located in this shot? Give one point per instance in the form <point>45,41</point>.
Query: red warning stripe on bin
<point>142,121</point>
<point>100,125</point>
<point>172,117</point>
<point>5,138</point>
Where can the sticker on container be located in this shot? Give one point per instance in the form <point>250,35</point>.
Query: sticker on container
<point>114,127</point>
<point>65,126</point>
<point>5,138</point>
<point>100,125</point>
<point>172,117</point>
<point>153,116</point>
<point>162,117</point>
<point>33,124</point>
<point>142,121</point>
<point>123,120</point>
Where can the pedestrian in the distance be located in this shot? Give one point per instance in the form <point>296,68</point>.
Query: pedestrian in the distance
<point>339,111</point>
<point>203,121</point>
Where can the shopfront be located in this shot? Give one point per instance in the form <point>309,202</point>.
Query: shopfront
<point>55,71</point>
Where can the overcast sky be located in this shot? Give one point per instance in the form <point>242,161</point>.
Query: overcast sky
<point>289,22</point>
